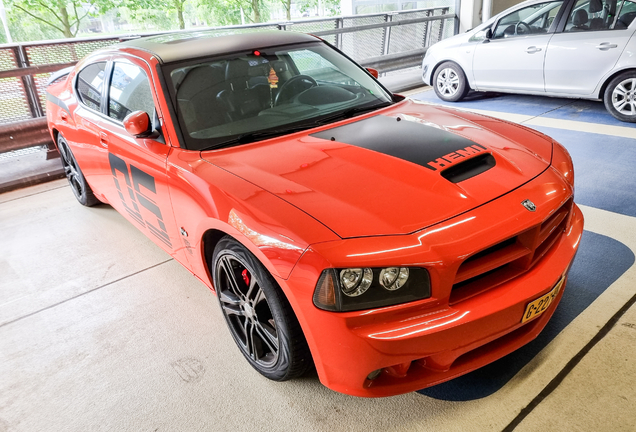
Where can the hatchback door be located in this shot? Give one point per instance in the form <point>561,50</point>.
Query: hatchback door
<point>512,59</point>
<point>593,38</point>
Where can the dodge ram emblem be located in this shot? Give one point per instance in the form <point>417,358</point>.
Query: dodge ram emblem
<point>529,205</point>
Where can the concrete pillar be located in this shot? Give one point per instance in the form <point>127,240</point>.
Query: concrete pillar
<point>469,14</point>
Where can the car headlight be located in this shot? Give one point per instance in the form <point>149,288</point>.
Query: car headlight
<point>350,289</point>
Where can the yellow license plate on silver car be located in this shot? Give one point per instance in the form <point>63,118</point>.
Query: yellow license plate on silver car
<point>540,305</point>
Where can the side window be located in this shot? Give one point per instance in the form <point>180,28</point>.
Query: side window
<point>129,91</point>
<point>590,15</point>
<point>90,82</point>
<point>626,11</point>
<point>535,19</point>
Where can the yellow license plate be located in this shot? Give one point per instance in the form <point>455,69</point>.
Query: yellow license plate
<point>540,305</point>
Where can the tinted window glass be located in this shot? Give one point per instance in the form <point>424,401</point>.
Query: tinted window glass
<point>530,20</point>
<point>590,15</point>
<point>626,11</point>
<point>129,92</point>
<point>275,90</point>
<point>90,82</point>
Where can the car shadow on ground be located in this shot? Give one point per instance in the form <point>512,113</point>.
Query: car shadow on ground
<point>599,262</point>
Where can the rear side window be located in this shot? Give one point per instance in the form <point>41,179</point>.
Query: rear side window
<point>90,82</point>
<point>129,92</point>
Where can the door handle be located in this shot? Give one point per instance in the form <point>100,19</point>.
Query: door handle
<point>605,46</point>
<point>532,50</point>
<point>103,139</point>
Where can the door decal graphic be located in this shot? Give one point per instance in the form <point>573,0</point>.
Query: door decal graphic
<point>138,197</point>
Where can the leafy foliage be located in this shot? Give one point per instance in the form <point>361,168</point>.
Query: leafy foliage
<point>65,16</point>
<point>54,19</point>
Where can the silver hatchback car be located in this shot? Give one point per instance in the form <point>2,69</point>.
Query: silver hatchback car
<point>566,48</point>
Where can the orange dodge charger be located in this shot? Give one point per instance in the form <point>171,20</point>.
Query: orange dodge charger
<point>392,244</point>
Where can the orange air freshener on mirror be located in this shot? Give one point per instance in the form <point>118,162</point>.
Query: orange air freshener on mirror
<point>272,78</point>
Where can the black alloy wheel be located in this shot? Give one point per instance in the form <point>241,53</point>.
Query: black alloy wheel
<point>257,313</point>
<point>80,188</point>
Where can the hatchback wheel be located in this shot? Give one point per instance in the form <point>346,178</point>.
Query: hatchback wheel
<point>620,97</point>
<point>450,82</point>
<point>80,188</point>
<point>257,313</point>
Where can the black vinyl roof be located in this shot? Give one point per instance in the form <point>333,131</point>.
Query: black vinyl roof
<point>172,47</point>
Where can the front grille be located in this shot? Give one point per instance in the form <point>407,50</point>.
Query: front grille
<point>510,258</point>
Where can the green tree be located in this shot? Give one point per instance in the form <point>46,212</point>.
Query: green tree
<point>331,7</point>
<point>64,16</point>
<point>287,6</point>
<point>228,12</point>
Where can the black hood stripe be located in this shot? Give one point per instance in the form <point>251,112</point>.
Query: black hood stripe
<point>427,146</point>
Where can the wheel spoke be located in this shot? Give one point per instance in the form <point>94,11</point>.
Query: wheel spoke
<point>264,334</point>
<point>620,90</point>
<point>619,105</point>
<point>229,298</point>
<point>230,275</point>
<point>260,297</point>
<point>232,310</point>
<point>252,349</point>
<point>253,290</point>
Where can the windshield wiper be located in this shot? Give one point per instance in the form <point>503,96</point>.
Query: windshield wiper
<point>348,113</point>
<point>249,137</point>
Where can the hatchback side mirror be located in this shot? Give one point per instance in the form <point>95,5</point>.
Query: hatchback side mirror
<point>137,123</point>
<point>488,34</point>
<point>373,72</point>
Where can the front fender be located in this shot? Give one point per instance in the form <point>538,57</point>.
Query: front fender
<point>206,197</point>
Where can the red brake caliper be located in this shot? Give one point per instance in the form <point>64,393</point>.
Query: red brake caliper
<point>246,277</point>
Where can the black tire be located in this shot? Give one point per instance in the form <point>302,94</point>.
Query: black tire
<point>620,97</point>
<point>79,186</point>
<point>257,313</point>
<point>450,83</point>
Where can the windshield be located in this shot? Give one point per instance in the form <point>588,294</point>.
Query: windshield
<point>266,92</point>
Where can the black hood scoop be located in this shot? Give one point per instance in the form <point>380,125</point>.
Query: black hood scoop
<point>469,168</point>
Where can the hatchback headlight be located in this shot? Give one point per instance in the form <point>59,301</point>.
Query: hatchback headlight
<point>349,289</point>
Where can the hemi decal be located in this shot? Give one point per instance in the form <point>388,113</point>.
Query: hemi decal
<point>453,157</point>
<point>424,145</point>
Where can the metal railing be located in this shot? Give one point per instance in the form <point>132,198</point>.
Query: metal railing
<point>387,42</point>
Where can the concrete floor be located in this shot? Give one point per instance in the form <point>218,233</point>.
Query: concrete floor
<point>101,330</point>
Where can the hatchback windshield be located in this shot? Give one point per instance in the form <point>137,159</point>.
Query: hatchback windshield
<point>267,92</point>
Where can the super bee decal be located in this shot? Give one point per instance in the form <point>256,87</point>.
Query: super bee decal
<point>133,196</point>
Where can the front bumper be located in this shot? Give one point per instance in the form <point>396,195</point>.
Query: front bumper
<point>423,343</point>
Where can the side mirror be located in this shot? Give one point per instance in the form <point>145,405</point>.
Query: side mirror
<point>373,72</point>
<point>137,124</point>
<point>488,34</point>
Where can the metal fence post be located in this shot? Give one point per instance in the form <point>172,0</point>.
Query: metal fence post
<point>28,83</point>
<point>456,19</point>
<point>387,34</point>
<point>441,26</point>
<point>427,30</point>
<point>339,25</point>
